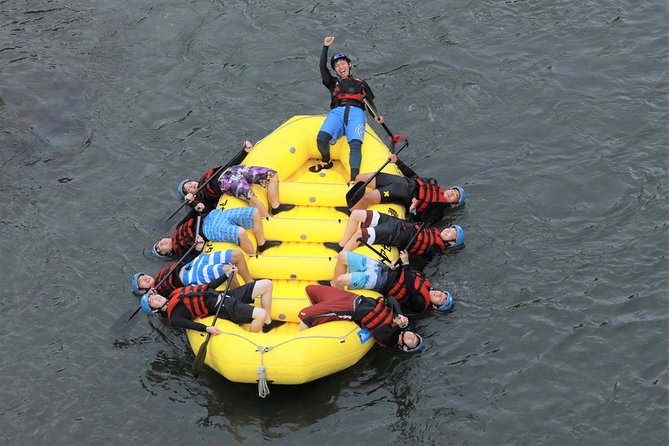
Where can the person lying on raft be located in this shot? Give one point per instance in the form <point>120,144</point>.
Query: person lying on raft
<point>411,191</point>
<point>201,270</point>
<point>236,181</point>
<point>411,288</point>
<point>383,318</point>
<point>191,302</point>
<point>383,229</point>
<point>347,109</point>
<point>220,225</point>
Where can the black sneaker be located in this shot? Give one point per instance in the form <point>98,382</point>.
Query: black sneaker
<point>268,327</point>
<point>281,208</point>
<point>268,244</point>
<point>343,209</point>
<point>333,245</point>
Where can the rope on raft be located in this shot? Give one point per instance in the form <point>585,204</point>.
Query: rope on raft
<point>263,387</point>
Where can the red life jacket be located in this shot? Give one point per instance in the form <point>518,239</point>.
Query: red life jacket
<point>426,239</point>
<point>212,191</point>
<point>193,299</point>
<point>183,237</point>
<point>349,91</point>
<point>428,192</point>
<point>377,317</point>
<point>420,283</point>
<point>171,283</point>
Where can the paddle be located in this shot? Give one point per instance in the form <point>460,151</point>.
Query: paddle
<point>358,190</point>
<point>376,251</point>
<point>128,319</point>
<point>125,322</point>
<point>202,353</point>
<point>164,222</point>
<point>393,139</point>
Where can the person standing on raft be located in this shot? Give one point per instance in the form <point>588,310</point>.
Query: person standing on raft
<point>347,109</point>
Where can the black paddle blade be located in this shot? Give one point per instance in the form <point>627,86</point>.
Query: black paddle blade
<point>355,193</point>
<point>201,355</point>
<point>125,323</point>
<point>172,215</point>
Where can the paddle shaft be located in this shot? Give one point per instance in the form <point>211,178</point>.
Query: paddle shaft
<point>377,252</point>
<point>202,353</point>
<point>376,116</point>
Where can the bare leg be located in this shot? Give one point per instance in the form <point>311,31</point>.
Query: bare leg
<point>258,229</point>
<point>303,326</point>
<point>342,281</point>
<point>239,260</point>
<point>354,220</point>
<point>273,191</point>
<point>253,201</point>
<point>340,268</point>
<point>263,288</point>
<point>353,242</point>
<point>245,242</point>
<point>371,197</point>
<point>259,315</point>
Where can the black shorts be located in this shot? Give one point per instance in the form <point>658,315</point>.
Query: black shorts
<point>394,189</point>
<point>236,306</point>
<point>389,231</point>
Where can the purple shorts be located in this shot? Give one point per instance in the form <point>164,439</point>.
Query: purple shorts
<point>237,180</point>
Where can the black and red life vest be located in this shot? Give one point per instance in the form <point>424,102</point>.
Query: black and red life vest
<point>426,239</point>
<point>183,237</point>
<point>212,191</point>
<point>349,91</point>
<point>379,316</point>
<point>420,283</point>
<point>428,192</point>
<point>192,297</point>
<point>171,283</point>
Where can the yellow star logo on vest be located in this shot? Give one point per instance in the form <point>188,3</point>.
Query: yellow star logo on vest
<point>386,193</point>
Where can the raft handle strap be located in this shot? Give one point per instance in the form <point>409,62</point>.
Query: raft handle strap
<point>263,388</point>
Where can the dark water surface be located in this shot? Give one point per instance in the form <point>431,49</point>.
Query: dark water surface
<point>553,115</point>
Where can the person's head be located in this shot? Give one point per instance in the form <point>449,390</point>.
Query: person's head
<point>152,302</point>
<point>441,300</point>
<point>141,283</point>
<point>341,63</point>
<point>162,248</point>
<point>455,196</point>
<point>187,187</point>
<point>453,235</point>
<point>409,342</point>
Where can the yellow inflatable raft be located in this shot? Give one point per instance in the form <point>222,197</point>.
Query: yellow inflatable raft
<point>285,355</point>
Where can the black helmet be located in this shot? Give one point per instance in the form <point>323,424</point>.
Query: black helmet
<point>337,56</point>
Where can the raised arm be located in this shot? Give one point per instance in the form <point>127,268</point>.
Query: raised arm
<point>326,76</point>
